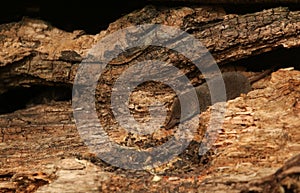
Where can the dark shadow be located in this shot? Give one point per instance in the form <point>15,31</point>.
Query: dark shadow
<point>20,98</point>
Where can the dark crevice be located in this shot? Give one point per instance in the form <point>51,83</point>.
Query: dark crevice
<point>281,58</point>
<point>6,176</point>
<point>20,98</point>
<point>92,18</point>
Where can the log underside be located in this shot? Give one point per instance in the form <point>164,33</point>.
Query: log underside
<point>41,149</point>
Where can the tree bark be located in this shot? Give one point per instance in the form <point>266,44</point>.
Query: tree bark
<point>34,52</point>
<point>41,144</point>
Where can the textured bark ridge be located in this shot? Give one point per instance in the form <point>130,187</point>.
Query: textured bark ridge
<point>33,52</point>
<point>41,149</point>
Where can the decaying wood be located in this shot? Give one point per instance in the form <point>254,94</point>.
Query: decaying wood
<point>260,133</point>
<point>284,179</point>
<point>41,145</point>
<point>33,52</point>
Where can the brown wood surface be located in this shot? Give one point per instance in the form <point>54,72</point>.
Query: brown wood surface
<point>33,52</point>
<point>41,149</point>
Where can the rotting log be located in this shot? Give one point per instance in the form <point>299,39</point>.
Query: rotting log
<point>258,128</point>
<point>33,52</point>
<point>41,145</point>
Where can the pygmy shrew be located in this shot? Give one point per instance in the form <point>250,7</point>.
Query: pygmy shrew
<point>235,84</point>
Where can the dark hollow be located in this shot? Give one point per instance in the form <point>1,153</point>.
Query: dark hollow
<point>20,98</point>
